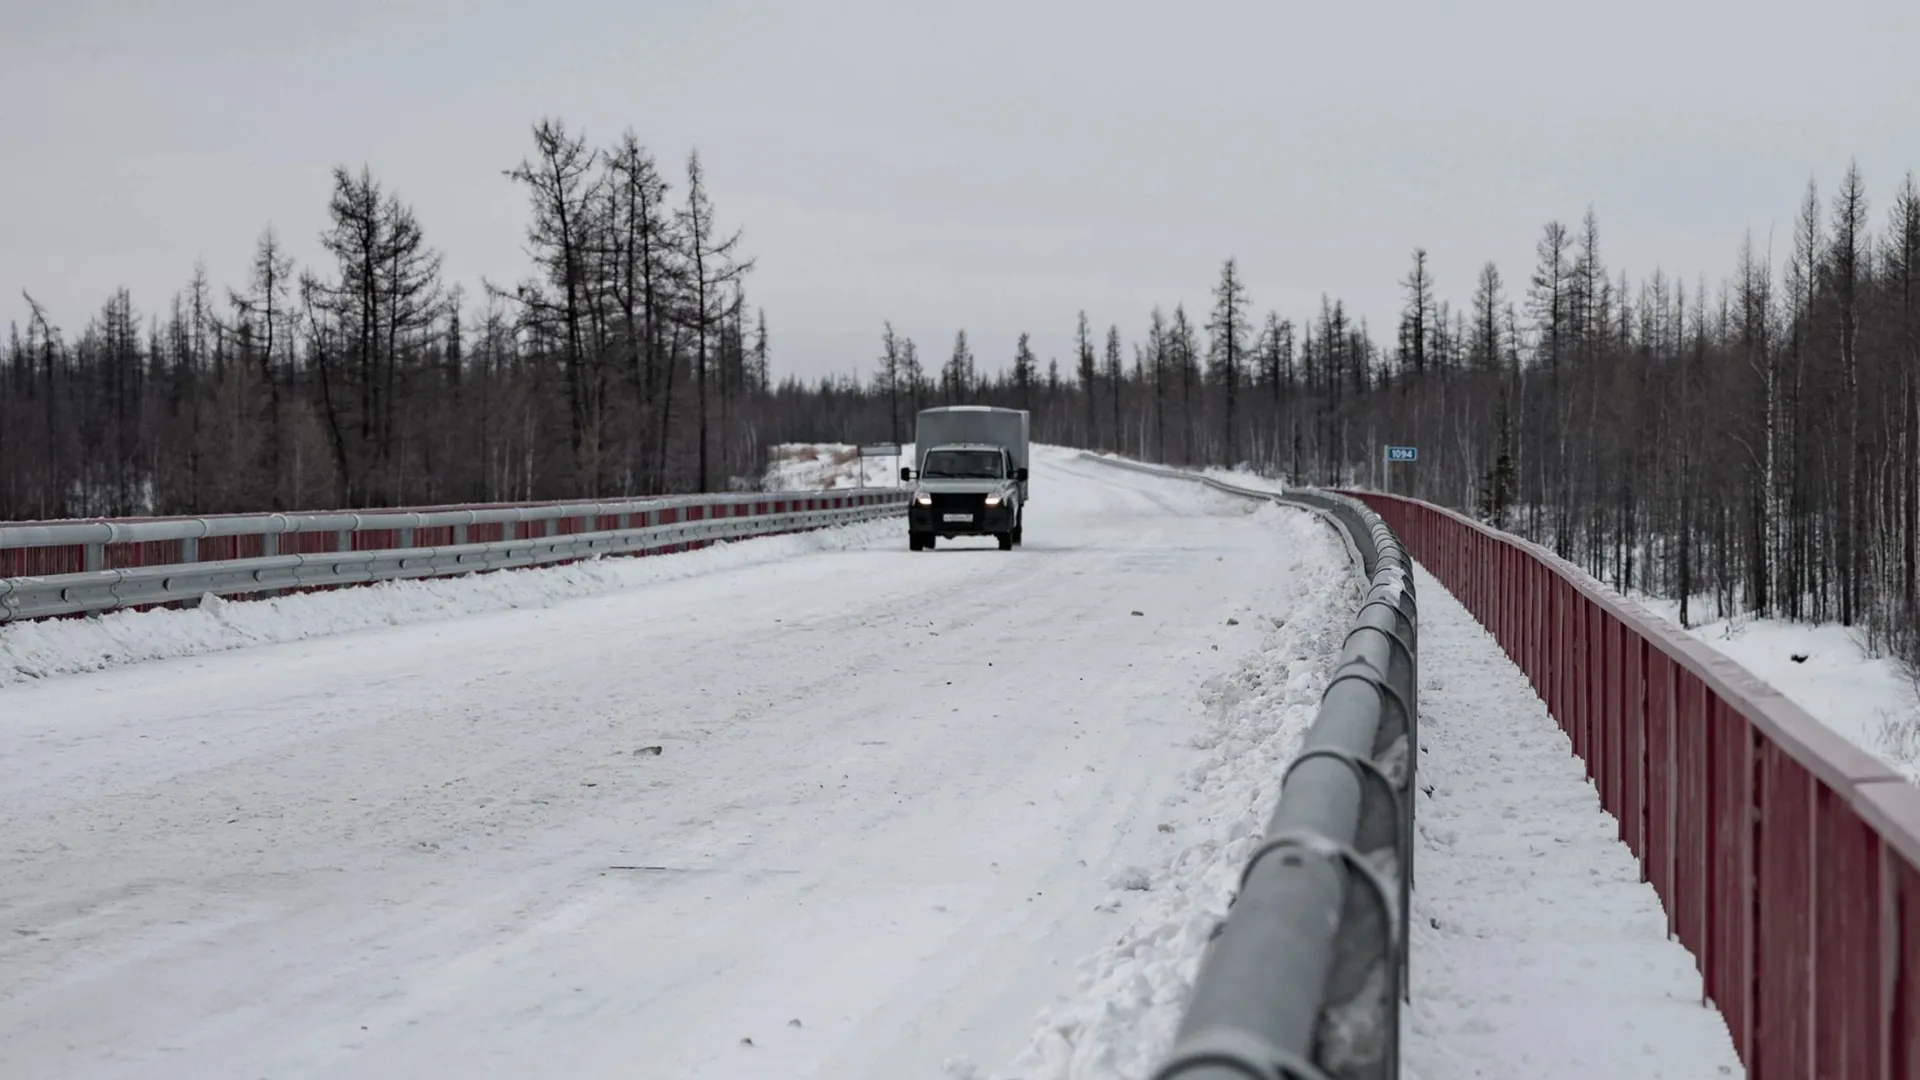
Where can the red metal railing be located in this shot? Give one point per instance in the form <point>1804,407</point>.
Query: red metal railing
<point>24,555</point>
<point>1787,859</point>
<point>73,558</point>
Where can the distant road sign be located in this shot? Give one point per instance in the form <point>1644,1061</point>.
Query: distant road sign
<point>1402,453</point>
<point>886,449</point>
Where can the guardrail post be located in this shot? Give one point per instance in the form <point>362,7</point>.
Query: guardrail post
<point>189,549</point>
<point>94,558</point>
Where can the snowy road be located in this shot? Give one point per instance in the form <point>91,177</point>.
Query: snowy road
<point>889,794</point>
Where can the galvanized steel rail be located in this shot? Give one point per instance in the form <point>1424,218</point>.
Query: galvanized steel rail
<point>557,532</point>
<point>1304,979</point>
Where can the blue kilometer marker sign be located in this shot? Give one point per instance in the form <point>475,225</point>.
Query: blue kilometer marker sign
<point>1401,453</point>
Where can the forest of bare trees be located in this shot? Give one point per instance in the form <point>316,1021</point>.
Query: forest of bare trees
<point>1751,444</point>
<point>1746,445</point>
<point>626,363</point>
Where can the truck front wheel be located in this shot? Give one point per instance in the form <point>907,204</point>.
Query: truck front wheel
<point>1006,540</point>
<point>919,541</point>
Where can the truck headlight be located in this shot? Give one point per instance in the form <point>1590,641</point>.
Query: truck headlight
<point>923,499</point>
<point>994,499</point>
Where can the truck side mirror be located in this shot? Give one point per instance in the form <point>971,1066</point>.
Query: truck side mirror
<point>906,473</point>
<point>1020,474</point>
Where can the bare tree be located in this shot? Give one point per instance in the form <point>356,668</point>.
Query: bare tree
<point>1417,320</point>
<point>644,280</point>
<point>1228,331</point>
<point>561,189</point>
<point>267,307</point>
<point>956,376</point>
<point>714,264</point>
<point>388,292</point>
<point>1083,348</point>
<point>890,373</point>
<point>1024,372</point>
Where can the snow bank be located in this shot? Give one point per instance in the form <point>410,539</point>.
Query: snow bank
<point>830,466</point>
<point>1239,476</point>
<point>1867,700</point>
<point>1246,478</point>
<point>1131,994</point>
<point>1537,949</point>
<point>35,650</point>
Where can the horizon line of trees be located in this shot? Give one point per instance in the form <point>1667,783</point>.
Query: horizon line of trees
<point>1752,443</point>
<point>1744,446</point>
<point>625,363</point>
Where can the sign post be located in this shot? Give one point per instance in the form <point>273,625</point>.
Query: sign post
<point>870,450</point>
<point>1392,454</point>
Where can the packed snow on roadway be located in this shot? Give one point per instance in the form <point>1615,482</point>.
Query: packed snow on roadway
<point>803,806</point>
<point>1536,948</point>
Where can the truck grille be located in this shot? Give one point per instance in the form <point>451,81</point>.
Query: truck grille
<point>960,503</point>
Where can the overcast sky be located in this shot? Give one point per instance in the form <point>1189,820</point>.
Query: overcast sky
<point>987,165</point>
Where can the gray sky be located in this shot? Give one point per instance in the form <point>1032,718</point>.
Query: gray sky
<point>989,165</point>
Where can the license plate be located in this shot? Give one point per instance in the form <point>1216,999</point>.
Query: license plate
<point>958,517</point>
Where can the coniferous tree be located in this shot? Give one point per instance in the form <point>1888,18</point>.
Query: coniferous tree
<point>713,266</point>
<point>1228,331</point>
<point>1024,372</point>
<point>889,379</point>
<point>1083,343</point>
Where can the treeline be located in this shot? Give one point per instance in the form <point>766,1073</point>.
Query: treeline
<point>1750,444</point>
<point>625,363</point>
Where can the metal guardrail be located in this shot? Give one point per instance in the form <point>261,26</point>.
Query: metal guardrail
<point>187,579</point>
<point>1304,979</point>
<point>99,534</point>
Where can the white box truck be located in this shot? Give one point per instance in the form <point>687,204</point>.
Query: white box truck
<point>969,476</point>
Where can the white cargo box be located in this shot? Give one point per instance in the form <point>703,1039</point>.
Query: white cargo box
<point>987,424</point>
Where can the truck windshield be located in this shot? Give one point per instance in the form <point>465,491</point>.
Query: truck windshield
<point>963,465</point>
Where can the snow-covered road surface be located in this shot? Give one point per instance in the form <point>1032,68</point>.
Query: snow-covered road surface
<point>1537,950</point>
<point>854,813</point>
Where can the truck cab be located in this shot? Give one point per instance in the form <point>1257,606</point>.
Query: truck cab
<point>971,482</point>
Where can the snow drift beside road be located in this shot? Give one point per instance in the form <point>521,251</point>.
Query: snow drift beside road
<point>831,467</point>
<point>42,648</point>
<point>1867,700</point>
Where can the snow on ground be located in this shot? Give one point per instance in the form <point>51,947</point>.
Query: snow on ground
<point>1867,700</point>
<point>43,648</point>
<point>827,466</point>
<point>1537,951</point>
<point>1246,478</point>
<point>1122,1018</point>
<point>857,812</point>
<point>1241,476</point>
